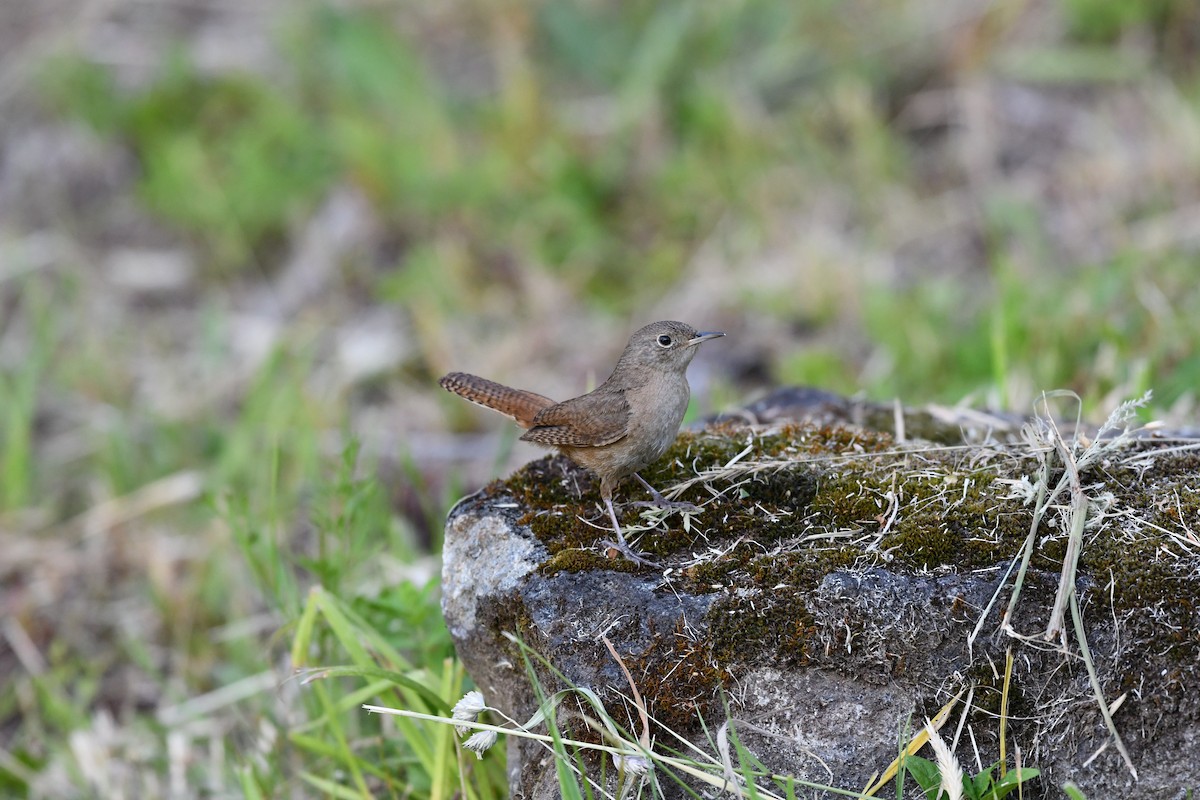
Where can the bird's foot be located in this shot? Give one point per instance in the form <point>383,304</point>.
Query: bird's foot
<point>629,553</point>
<point>620,545</point>
<point>658,501</point>
<point>662,502</point>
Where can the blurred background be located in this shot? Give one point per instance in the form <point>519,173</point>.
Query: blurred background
<point>240,241</point>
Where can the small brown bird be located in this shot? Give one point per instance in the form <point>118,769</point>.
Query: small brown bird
<point>623,425</point>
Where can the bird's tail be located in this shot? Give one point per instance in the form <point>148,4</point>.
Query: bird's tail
<point>519,404</point>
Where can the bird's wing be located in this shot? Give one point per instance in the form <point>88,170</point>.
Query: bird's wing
<point>587,421</point>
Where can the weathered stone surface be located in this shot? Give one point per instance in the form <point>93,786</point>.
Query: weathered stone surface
<point>827,592</point>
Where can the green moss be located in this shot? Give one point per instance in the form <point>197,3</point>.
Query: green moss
<point>512,616</point>
<point>804,495</point>
<point>574,560</point>
<point>681,678</point>
<point>767,613</point>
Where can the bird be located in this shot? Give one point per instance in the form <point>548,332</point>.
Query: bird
<point>618,428</point>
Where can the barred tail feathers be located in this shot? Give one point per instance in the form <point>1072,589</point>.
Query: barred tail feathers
<point>519,404</point>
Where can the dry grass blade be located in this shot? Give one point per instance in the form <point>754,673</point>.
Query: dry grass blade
<point>1094,679</point>
<point>1044,439</point>
<point>914,745</point>
<point>1008,667</point>
<point>181,487</point>
<point>1078,512</point>
<point>1066,595</point>
<point>1078,516</point>
<point>732,784</point>
<point>644,739</point>
<point>1038,436</point>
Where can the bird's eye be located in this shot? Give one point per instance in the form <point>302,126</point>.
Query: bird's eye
<point>664,340</point>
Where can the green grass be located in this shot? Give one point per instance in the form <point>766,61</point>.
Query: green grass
<point>597,155</point>
<point>231,161</point>
<point>1102,331</point>
<point>473,180</point>
<point>19,397</point>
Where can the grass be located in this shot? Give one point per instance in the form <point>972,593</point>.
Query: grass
<point>582,765</point>
<point>186,515</point>
<point>471,181</point>
<point>1102,327</point>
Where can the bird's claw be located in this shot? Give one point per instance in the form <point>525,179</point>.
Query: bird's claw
<point>629,553</point>
<point>661,502</point>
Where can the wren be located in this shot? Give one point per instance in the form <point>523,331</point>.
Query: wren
<point>622,426</point>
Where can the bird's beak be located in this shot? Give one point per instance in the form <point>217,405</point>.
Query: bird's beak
<point>703,336</point>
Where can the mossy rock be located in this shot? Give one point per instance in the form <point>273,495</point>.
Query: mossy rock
<point>838,584</point>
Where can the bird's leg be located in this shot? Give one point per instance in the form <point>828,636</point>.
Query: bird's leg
<point>658,501</point>
<point>621,545</point>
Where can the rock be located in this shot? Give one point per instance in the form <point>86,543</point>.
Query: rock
<point>827,595</point>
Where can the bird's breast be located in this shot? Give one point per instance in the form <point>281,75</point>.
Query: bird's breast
<point>656,411</point>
